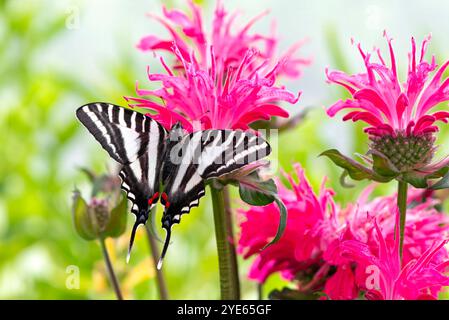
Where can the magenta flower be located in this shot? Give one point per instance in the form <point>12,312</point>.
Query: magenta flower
<point>312,252</point>
<point>230,47</point>
<point>424,227</point>
<point>420,278</point>
<point>401,123</point>
<point>300,248</point>
<point>220,81</point>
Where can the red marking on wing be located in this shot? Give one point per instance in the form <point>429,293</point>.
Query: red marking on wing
<point>165,198</point>
<point>153,198</point>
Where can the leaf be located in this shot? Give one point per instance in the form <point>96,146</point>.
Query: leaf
<point>383,165</point>
<point>282,221</point>
<point>117,220</point>
<point>444,182</point>
<point>354,169</point>
<point>83,224</point>
<point>254,196</point>
<point>416,180</point>
<point>343,181</point>
<point>262,193</point>
<point>89,173</point>
<point>421,181</point>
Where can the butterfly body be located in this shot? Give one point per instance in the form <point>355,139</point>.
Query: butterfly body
<point>170,167</point>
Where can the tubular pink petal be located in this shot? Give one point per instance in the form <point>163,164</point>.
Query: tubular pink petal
<point>372,97</point>
<point>423,122</point>
<point>403,108</point>
<point>401,105</point>
<point>368,118</point>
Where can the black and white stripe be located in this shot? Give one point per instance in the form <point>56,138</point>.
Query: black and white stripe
<point>132,139</point>
<point>123,133</point>
<point>151,157</point>
<point>205,155</point>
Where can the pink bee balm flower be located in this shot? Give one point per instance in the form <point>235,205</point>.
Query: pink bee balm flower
<point>399,115</point>
<point>230,47</point>
<point>420,278</point>
<point>424,226</point>
<point>311,251</point>
<point>300,248</point>
<point>221,81</point>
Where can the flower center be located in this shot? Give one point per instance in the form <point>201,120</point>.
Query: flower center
<point>405,152</point>
<point>101,212</point>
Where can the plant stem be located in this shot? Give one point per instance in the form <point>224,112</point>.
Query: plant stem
<point>227,259</point>
<point>230,229</point>
<point>402,206</point>
<point>110,270</point>
<point>161,285</point>
<point>259,291</point>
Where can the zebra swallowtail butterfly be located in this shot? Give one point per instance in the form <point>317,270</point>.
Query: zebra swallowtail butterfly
<point>169,166</point>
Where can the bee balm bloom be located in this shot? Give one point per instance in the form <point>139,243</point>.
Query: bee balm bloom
<point>419,279</point>
<point>402,123</point>
<point>221,80</point>
<point>309,227</point>
<point>325,247</point>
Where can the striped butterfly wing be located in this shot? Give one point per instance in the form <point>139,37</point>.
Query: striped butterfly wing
<point>137,143</point>
<point>198,157</point>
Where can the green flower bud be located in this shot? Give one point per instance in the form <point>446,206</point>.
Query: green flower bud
<point>97,220</point>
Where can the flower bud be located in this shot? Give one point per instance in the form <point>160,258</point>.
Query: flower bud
<point>97,220</point>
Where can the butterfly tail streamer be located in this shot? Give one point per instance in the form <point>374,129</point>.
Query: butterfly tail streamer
<point>164,250</point>
<point>131,240</point>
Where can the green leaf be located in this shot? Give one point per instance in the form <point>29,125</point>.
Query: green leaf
<point>354,169</point>
<point>383,166</point>
<point>421,181</point>
<point>81,218</point>
<point>89,173</point>
<point>444,182</point>
<point>343,181</point>
<point>261,194</point>
<point>282,222</point>
<point>416,180</point>
<point>117,220</point>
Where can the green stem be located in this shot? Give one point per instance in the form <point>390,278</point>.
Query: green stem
<point>110,270</point>
<point>230,230</point>
<point>402,206</point>
<point>259,291</point>
<point>160,280</point>
<point>227,258</point>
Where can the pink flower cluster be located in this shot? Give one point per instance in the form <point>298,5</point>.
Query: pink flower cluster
<point>389,106</point>
<point>220,80</point>
<point>351,252</point>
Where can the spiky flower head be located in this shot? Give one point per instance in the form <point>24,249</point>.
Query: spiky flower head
<point>324,245</point>
<point>222,80</point>
<point>402,121</point>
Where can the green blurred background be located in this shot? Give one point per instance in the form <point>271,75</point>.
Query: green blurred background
<point>56,56</point>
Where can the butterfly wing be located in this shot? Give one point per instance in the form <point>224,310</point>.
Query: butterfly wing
<point>137,143</point>
<point>200,156</point>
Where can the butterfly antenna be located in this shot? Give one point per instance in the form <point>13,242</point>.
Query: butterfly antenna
<point>131,241</point>
<point>164,250</point>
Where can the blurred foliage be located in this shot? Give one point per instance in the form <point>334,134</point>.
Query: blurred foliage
<point>43,146</point>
